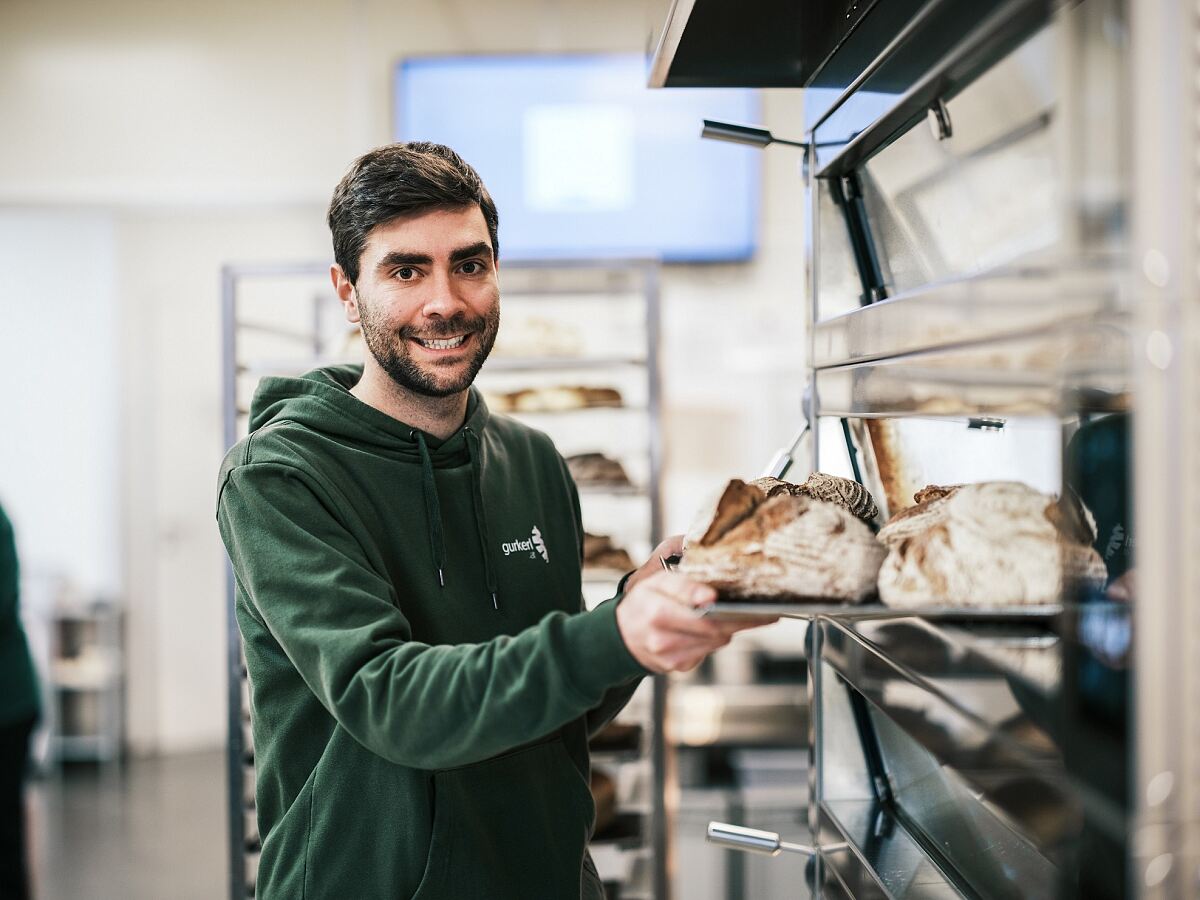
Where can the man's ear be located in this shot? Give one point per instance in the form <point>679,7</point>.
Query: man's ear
<point>345,291</point>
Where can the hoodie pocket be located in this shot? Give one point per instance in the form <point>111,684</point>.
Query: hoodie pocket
<point>515,826</point>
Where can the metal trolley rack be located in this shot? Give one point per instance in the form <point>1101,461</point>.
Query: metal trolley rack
<point>284,319</point>
<point>1028,256</point>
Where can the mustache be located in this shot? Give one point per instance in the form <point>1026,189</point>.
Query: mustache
<point>456,324</point>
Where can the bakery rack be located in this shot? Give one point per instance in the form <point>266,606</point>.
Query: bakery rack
<point>1000,235</point>
<point>284,319</point>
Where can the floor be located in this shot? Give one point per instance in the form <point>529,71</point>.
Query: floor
<point>155,829</point>
<point>152,829</point>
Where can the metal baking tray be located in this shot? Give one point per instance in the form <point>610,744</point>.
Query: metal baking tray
<point>733,609</point>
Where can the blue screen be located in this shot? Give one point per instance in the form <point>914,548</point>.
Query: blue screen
<point>585,161</point>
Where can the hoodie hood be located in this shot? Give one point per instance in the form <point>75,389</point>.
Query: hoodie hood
<point>321,400</point>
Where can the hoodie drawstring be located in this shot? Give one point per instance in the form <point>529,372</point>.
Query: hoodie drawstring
<point>473,451</point>
<point>433,509</point>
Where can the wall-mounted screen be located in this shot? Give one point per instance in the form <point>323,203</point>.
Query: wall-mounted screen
<point>583,160</point>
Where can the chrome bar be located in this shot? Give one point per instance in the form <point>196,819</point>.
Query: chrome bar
<point>751,840</point>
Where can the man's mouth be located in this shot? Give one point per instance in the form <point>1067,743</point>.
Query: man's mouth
<point>441,343</point>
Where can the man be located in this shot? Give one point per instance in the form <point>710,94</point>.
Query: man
<point>421,700</point>
<point>19,708</point>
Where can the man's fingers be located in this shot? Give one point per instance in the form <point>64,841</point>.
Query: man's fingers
<point>662,620</point>
<point>682,622</point>
<point>743,624</point>
<point>672,546</point>
<point>682,590</point>
<point>671,615</point>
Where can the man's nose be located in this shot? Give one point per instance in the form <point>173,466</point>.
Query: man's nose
<point>442,298</point>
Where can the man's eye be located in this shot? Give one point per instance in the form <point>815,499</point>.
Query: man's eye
<point>471,267</point>
<point>406,273</point>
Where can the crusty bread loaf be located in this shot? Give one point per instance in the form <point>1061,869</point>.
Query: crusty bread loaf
<point>739,499</point>
<point>916,519</point>
<point>596,468</point>
<point>599,552</point>
<point>788,548</point>
<point>994,544</point>
<point>554,398</point>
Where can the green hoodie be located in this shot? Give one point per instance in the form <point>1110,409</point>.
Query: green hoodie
<point>423,681</point>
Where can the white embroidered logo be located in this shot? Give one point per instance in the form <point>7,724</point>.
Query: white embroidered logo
<point>540,544</point>
<point>533,546</point>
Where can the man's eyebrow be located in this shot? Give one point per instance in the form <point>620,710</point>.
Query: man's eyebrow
<point>403,258</point>
<point>479,248</point>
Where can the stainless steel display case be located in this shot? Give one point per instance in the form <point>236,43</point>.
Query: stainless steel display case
<point>990,266</point>
<point>1002,228</point>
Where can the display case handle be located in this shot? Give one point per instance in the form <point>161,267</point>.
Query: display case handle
<point>735,837</point>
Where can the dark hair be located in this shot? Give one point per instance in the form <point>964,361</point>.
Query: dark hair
<point>397,180</point>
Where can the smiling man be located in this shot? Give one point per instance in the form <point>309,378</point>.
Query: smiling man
<point>429,316</point>
<point>422,696</point>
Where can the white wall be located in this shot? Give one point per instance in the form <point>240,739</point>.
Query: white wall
<point>58,456</point>
<point>211,133</point>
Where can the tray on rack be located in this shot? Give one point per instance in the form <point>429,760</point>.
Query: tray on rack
<point>737,609</point>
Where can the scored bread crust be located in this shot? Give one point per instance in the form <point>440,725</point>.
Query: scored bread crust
<point>790,549</point>
<point>845,493</point>
<point>918,518</point>
<point>737,502</point>
<point>739,499</point>
<point>932,492</point>
<point>773,487</point>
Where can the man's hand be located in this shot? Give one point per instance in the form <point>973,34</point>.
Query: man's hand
<point>672,546</point>
<point>659,619</point>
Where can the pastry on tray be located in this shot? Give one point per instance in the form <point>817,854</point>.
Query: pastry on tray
<point>772,541</point>
<point>604,795</point>
<point>557,398</point>
<point>597,469</point>
<point>599,552</point>
<point>995,544</point>
<point>538,336</point>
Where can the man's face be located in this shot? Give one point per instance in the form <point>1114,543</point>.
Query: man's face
<point>428,299</point>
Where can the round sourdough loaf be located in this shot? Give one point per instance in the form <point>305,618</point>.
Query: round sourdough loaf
<point>994,544</point>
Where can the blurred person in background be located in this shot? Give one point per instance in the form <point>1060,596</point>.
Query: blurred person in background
<point>1098,469</point>
<point>423,677</point>
<point>19,708</point>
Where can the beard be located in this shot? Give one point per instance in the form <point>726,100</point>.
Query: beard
<point>390,350</point>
